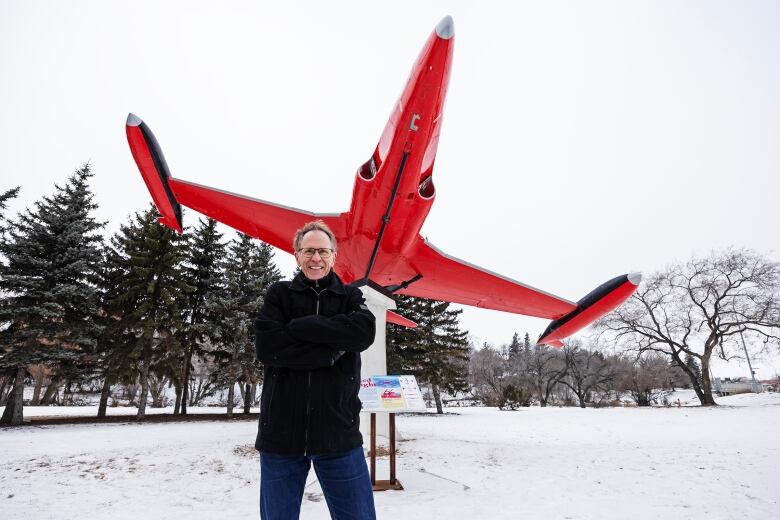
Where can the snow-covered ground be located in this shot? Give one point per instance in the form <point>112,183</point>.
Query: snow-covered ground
<point>91,411</point>
<point>472,463</point>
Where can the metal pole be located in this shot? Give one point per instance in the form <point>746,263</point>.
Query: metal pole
<point>373,449</point>
<point>392,449</point>
<point>752,375</point>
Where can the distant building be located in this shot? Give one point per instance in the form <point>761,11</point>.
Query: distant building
<point>739,386</point>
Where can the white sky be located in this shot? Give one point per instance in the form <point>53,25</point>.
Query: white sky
<point>582,140</point>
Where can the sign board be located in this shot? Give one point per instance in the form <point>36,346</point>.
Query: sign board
<point>391,394</point>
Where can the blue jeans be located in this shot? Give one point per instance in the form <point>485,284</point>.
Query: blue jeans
<point>343,478</point>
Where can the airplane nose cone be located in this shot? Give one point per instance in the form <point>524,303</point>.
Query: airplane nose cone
<point>446,28</point>
<point>635,278</point>
<point>133,120</point>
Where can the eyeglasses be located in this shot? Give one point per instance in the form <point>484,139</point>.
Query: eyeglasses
<point>324,252</point>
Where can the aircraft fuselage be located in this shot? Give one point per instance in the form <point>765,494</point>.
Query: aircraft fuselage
<point>394,189</point>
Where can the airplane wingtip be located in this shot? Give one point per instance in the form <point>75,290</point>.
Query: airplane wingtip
<point>635,278</point>
<point>445,29</point>
<point>133,120</point>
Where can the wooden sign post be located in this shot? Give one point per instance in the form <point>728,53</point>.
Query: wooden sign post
<point>388,395</point>
<point>393,483</point>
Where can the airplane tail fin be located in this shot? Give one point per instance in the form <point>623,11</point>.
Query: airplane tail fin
<point>151,162</point>
<point>603,299</point>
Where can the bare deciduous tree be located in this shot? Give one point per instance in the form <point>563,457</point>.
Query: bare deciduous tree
<point>699,308</point>
<point>42,375</point>
<point>486,375</point>
<point>645,378</point>
<point>51,395</point>
<point>157,385</point>
<point>586,371</point>
<point>544,367</point>
<point>200,384</point>
<point>130,392</point>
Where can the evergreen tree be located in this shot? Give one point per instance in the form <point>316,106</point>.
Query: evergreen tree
<point>248,272</point>
<point>50,299</point>
<point>403,346</point>
<point>7,374</point>
<point>527,343</point>
<point>694,367</point>
<point>205,257</point>
<point>150,295</point>
<point>114,365</point>
<point>436,351</point>
<point>514,346</point>
<point>4,198</point>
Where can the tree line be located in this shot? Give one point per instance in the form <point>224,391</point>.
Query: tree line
<point>144,309</point>
<point>147,309</point>
<point>580,374</point>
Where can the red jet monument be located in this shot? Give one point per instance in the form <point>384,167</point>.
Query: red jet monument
<point>379,236</point>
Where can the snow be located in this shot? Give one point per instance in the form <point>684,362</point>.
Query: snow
<point>557,463</point>
<point>82,411</point>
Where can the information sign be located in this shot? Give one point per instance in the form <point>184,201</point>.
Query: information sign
<point>391,394</point>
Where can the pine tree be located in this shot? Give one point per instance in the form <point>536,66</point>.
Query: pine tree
<point>514,346</point>
<point>436,351</point>
<point>694,367</point>
<point>113,363</point>
<point>403,346</point>
<point>4,198</point>
<point>248,272</point>
<point>5,375</point>
<point>151,295</point>
<point>205,256</point>
<point>50,302</point>
<point>527,343</point>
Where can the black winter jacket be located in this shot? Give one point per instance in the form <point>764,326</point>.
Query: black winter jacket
<point>309,335</point>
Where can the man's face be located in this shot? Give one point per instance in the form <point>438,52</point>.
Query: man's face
<point>315,267</point>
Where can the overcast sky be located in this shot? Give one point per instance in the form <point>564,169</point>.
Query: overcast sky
<point>581,140</point>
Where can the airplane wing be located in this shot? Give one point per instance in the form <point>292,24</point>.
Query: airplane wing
<point>450,279</point>
<point>272,223</point>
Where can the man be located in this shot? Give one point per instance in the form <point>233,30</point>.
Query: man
<point>309,335</point>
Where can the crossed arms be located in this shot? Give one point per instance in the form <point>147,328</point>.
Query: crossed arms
<point>312,341</point>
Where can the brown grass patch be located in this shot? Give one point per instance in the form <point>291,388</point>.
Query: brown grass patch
<point>245,450</point>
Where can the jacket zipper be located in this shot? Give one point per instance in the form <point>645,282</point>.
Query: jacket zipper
<point>267,419</point>
<point>308,405</point>
<point>308,386</point>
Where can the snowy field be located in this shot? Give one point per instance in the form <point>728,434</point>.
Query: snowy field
<point>91,411</point>
<point>472,463</point>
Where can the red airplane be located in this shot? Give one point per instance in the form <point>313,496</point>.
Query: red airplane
<point>379,236</point>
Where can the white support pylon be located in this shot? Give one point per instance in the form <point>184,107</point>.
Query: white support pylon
<point>374,360</point>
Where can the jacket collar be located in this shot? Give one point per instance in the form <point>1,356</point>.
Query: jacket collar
<point>331,282</point>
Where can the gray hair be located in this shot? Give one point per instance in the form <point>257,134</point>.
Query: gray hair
<point>314,225</point>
